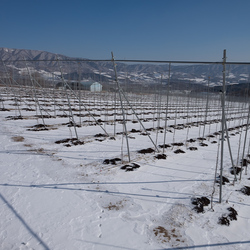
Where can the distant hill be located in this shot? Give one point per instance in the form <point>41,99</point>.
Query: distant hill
<point>241,89</point>
<point>127,73</point>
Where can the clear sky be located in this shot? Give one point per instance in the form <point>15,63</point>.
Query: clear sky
<point>132,29</point>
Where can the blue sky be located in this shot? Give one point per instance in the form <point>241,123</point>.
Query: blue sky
<point>132,29</point>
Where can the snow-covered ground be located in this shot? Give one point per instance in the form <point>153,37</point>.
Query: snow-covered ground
<point>58,197</point>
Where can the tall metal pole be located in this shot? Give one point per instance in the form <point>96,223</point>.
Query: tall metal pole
<point>245,140</point>
<point>166,116</point>
<point>222,122</point>
<point>71,116</point>
<point>206,107</point>
<point>123,113</point>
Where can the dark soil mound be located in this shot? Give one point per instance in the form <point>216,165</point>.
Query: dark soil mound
<point>177,144</point>
<point>65,140</point>
<point>165,146</point>
<point>179,151</point>
<point>245,190</point>
<point>44,116</point>
<point>223,220</point>
<point>210,136</point>
<point>62,116</point>
<point>161,156</point>
<point>71,124</point>
<point>193,148</point>
<point>100,135</point>
<point>224,180</point>
<point>237,170</point>
<point>203,200</point>
<point>111,161</point>
<point>14,117</point>
<point>200,203</point>
<point>244,162</point>
<point>106,161</point>
<point>146,151</point>
<point>201,138</point>
<point>135,130</point>
<point>38,127</point>
<point>191,140</point>
<point>233,213</point>
<point>70,142</point>
<point>216,133</point>
<point>77,142</point>
<point>130,167</point>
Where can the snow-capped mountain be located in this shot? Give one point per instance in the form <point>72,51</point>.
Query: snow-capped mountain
<point>46,63</point>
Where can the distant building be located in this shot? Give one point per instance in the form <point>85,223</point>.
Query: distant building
<point>88,85</point>
<point>91,85</point>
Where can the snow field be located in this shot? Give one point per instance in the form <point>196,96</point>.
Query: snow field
<point>63,197</point>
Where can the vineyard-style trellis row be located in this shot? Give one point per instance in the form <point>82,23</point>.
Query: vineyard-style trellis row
<point>163,119</point>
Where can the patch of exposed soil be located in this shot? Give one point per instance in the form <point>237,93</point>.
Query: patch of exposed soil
<point>172,226</point>
<point>17,138</point>
<point>38,150</point>
<point>115,206</point>
<point>163,233</point>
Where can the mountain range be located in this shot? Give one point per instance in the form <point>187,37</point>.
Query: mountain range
<point>18,61</point>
